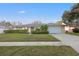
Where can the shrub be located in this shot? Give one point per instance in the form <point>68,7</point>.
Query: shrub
<point>40,32</point>
<point>15,31</point>
<point>37,29</point>
<point>44,27</point>
<point>76,30</point>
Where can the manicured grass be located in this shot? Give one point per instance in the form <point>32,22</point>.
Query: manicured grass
<point>26,37</point>
<point>37,51</point>
<point>77,34</point>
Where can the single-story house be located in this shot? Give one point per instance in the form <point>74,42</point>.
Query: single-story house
<point>20,27</point>
<point>71,26</point>
<point>27,26</point>
<point>2,28</point>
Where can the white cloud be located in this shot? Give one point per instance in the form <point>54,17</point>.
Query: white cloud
<point>21,12</point>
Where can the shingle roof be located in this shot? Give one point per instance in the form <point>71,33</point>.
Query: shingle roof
<point>33,25</point>
<point>27,25</point>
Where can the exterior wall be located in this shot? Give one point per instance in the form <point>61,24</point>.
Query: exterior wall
<point>71,29</point>
<point>55,29</point>
<point>14,28</point>
<point>68,28</point>
<point>26,28</point>
<point>20,28</point>
<point>1,30</point>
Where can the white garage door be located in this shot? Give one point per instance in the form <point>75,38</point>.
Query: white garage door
<point>55,30</point>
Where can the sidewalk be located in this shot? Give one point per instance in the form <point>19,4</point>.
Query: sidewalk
<point>31,43</point>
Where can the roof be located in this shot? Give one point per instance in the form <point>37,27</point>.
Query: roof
<point>53,24</point>
<point>4,27</point>
<point>26,25</point>
<point>33,25</point>
<point>21,26</point>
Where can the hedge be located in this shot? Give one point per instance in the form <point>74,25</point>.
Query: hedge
<point>25,31</point>
<point>15,31</point>
<point>76,30</point>
<point>40,32</point>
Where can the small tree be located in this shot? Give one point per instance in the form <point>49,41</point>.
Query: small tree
<point>44,27</point>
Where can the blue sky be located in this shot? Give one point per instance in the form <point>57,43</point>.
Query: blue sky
<point>29,12</point>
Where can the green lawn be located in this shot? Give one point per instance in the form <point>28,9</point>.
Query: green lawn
<point>37,51</point>
<point>77,34</point>
<point>26,37</point>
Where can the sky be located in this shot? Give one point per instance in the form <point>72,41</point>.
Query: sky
<point>29,12</point>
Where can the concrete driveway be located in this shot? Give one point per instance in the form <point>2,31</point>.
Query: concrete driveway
<point>70,40</point>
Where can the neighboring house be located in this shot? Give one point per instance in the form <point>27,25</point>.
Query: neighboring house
<point>28,27</point>
<point>68,28</point>
<point>18,27</point>
<point>33,26</point>
<point>71,26</point>
<point>2,28</point>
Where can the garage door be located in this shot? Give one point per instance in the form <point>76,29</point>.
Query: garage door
<point>55,30</point>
